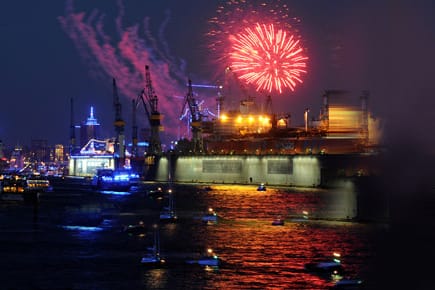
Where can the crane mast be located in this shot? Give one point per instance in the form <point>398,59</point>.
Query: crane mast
<point>119,129</point>
<point>134,129</point>
<point>153,115</point>
<point>198,145</point>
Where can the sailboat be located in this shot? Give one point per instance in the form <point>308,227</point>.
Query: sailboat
<point>168,213</point>
<point>152,257</point>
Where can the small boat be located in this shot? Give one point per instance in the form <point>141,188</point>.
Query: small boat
<point>152,257</point>
<point>137,230</point>
<point>348,284</point>
<point>209,259</point>
<point>168,213</point>
<point>329,267</point>
<point>278,222</point>
<point>301,217</point>
<point>261,187</point>
<point>210,216</point>
<point>156,193</point>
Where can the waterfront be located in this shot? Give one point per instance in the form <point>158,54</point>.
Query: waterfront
<point>73,239</point>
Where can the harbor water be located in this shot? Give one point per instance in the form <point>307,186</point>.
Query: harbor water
<point>74,238</point>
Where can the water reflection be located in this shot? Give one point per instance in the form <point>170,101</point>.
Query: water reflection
<point>98,254</point>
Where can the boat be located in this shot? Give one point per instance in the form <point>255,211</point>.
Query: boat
<point>138,230</point>
<point>261,187</point>
<point>210,216</point>
<point>156,193</point>
<point>326,267</point>
<point>152,256</point>
<point>15,187</point>
<point>303,217</point>
<point>348,284</point>
<point>112,179</point>
<point>168,213</point>
<point>278,222</point>
<point>208,259</point>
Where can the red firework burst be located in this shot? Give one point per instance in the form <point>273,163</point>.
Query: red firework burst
<point>269,58</point>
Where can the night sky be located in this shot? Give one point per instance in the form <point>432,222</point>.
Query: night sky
<point>54,50</point>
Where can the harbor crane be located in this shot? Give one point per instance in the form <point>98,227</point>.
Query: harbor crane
<point>150,103</point>
<point>196,119</point>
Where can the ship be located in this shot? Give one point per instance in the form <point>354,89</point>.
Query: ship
<point>112,179</point>
<point>18,187</point>
<point>251,146</point>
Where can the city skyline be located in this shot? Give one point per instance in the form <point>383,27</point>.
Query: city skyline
<point>378,46</point>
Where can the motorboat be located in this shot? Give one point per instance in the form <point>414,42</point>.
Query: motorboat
<point>278,222</point>
<point>137,230</point>
<point>156,193</point>
<point>303,217</point>
<point>261,187</point>
<point>210,217</point>
<point>348,284</point>
<point>209,259</point>
<point>152,256</point>
<point>329,267</point>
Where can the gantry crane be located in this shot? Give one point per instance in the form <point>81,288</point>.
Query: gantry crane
<point>196,119</point>
<point>119,129</point>
<point>153,115</point>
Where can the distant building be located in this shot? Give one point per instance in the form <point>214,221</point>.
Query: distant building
<point>90,129</point>
<point>17,158</point>
<point>59,154</point>
<point>40,150</point>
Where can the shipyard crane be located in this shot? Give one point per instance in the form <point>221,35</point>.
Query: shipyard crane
<point>152,113</point>
<point>119,123</point>
<point>196,117</point>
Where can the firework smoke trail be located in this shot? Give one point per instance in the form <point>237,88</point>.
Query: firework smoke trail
<point>268,58</point>
<point>234,16</point>
<point>126,59</point>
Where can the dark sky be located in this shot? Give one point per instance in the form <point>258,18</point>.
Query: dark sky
<point>52,51</point>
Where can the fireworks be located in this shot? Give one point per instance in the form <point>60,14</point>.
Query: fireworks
<point>269,58</point>
<point>263,27</point>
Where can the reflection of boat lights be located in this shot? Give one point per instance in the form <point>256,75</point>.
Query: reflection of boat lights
<point>83,228</point>
<point>116,192</point>
<point>336,256</point>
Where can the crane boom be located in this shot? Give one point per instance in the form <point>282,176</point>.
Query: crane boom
<point>198,145</point>
<point>149,100</point>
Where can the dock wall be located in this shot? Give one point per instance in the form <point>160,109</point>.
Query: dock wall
<point>273,170</point>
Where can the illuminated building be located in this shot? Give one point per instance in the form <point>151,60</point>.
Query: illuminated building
<point>40,150</point>
<point>89,129</point>
<point>17,158</point>
<point>59,153</point>
<point>94,155</point>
